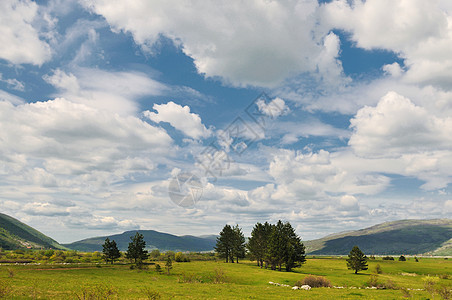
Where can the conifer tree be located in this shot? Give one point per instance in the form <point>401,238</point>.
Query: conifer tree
<point>356,260</point>
<point>110,251</point>
<point>136,251</point>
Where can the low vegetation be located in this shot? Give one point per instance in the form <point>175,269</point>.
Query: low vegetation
<point>328,276</point>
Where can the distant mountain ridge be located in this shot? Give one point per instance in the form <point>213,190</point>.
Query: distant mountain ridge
<point>154,239</point>
<point>432,237</point>
<point>14,235</point>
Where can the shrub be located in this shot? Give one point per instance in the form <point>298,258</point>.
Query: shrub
<point>151,294</point>
<point>314,281</point>
<point>10,273</point>
<point>378,269</point>
<point>189,278</point>
<point>402,258</point>
<point>388,258</point>
<point>373,282</point>
<point>219,276</point>
<point>444,292</point>
<point>158,269</point>
<point>96,292</point>
<point>4,289</point>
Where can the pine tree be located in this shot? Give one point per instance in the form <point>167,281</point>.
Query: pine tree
<point>238,245</point>
<point>258,242</point>
<point>294,256</point>
<point>136,251</point>
<point>277,247</point>
<point>356,260</point>
<point>168,264</point>
<point>225,243</point>
<point>110,251</point>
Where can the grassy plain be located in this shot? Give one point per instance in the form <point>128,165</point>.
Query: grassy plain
<point>197,280</point>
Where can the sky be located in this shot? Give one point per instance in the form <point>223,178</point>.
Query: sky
<point>184,116</point>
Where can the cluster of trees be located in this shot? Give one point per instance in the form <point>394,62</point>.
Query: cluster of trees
<point>275,245</point>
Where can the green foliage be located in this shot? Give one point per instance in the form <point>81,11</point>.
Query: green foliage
<point>96,292</point>
<point>356,260</point>
<point>151,294</point>
<point>136,251</point>
<point>180,257</point>
<point>258,242</point>
<point>378,269</point>
<point>110,251</point>
<point>238,244</point>
<point>285,247</point>
<point>168,264</point>
<point>155,254</point>
<point>225,243</point>
<point>219,276</point>
<point>158,269</point>
<point>314,281</point>
<point>402,258</point>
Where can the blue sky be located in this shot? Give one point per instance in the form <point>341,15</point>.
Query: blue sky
<point>343,110</point>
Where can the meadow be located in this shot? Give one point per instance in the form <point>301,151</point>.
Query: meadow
<point>217,280</point>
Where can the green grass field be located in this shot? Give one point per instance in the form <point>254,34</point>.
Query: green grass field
<point>196,280</point>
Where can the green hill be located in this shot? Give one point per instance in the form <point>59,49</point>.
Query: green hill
<point>154,239</point>
<point>15,235</point>
<point>432,237</point>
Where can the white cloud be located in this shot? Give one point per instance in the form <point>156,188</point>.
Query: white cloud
<point>116,92</point>
<point>396,126</point>
<point>180,118</point>
<point>64,138</point>
<point>275,108</point>
<point>418,31</point>
<point>245,43</point>
<point>20,41</point>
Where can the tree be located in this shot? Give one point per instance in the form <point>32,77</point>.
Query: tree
<point>258,242</point>
<point>402,258</point>
<point>225,243</point>
<point>356,260</point>
<point>277,247</point>
<point>110,251</point>
<point>238,244</point>
<point>294,257</point>
<point>136,250</point>
<point>168,264</point>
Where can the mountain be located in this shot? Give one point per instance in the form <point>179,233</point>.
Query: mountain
<point>154,239</point>
<point>15,234</point>
<point>431,237</point>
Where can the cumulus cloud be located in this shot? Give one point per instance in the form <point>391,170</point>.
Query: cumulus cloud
<point>20,41</point>
<point>245,43</point>
<point>63,138</point>
<point>180,118</point>
<point>396,126</point>
<point>420,32</point>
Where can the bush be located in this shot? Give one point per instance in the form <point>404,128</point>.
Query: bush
<point>388,258</point>
<point>96,292</point>
<point>4,289</point>
<point>378,269</point>
<point>314,281</point>
<point>373,282</point>
<point>189,278</point>
<point>402,258</point>
<point>219,276</point>
<point>444,292</point>
<point>151,294</point>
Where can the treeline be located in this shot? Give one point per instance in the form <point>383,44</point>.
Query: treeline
<point>271,245</point>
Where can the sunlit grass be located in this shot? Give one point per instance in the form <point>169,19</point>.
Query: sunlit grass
<point>196,280</point>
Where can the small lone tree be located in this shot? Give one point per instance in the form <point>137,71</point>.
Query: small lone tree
<point>168,264</point>
<point>136,250</point>
<point>110,251</point>
<point>357,260</point>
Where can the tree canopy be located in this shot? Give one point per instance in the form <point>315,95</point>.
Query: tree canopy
<point>110,251</point>
<point>357,260</point>
<point>136,250</point>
